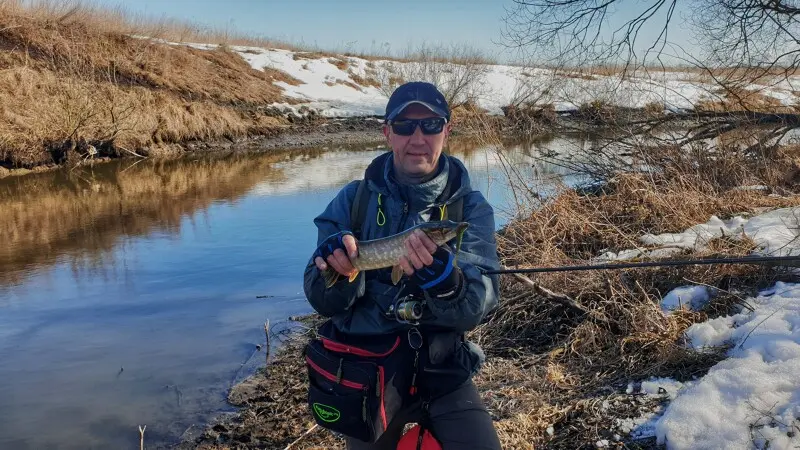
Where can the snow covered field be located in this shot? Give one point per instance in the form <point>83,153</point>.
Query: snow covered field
<point>335,87</point>
<point>752,398</point>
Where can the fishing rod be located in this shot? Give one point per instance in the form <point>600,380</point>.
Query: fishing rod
<point>793,261</point>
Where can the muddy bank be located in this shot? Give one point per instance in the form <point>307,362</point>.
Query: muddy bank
<point>351,132</point>
<point>311,133</point>
<point>316,131</point>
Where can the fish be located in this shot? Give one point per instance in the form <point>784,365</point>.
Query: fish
<point>386,252</point>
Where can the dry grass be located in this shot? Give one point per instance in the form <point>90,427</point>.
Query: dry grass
<point>368,81</point>
<point>339,63</point>
<point>553,365</point>
<point>734,99</point>
<point>704,74</point>
<point>578,75</point>
<point>71,79</point>
<point>599,112</point>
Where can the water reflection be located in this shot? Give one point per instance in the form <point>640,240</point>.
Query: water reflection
<point>79,216</point>
<point>128,292</point>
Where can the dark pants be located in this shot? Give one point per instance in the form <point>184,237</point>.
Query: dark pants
<point>458,420</point>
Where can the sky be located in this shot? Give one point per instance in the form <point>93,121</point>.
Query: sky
<point>373,26</point>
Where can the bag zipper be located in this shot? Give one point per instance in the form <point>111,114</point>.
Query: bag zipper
<point>332,377</point>
<point>343,348</point>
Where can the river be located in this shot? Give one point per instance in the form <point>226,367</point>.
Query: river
<point>135,292</point>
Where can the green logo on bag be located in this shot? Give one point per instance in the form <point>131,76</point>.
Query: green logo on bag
<point>326,413</point>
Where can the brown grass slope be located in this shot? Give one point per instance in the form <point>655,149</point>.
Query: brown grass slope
<point>68,80</point>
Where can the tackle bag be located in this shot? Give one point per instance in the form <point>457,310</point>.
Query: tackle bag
<point>356,385</point>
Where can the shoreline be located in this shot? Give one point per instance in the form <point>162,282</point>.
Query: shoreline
<point>335,132</point>
<point>315,131</point>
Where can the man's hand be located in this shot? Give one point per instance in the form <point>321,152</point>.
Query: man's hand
<point>430,266</point>
<point>420,249</point>
<point>335,250</point>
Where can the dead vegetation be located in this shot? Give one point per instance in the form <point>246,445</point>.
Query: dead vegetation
<point>459,71</point>
<point>569,366</point>
<point>72,80</point>
<point>733,98</point>
<point>367,81</point>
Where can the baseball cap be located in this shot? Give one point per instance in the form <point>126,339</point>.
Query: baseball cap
<point>420,92</point>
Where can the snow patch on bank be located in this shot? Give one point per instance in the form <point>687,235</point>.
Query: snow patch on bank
<point>644,427</point>
<point>329,85</point>
<point>686,297</point>
<point>752,398</point>
<point>776,233</point>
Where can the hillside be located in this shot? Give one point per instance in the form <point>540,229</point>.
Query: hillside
<point>66,84</point>
<point>78,86</point>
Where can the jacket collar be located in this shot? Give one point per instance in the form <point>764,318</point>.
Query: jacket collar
<point>379,179</point>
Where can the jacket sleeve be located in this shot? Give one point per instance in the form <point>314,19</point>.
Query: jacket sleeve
<point>479,293</point>
<point>342,295</point>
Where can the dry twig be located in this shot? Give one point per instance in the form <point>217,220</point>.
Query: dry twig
<point>310,430</point>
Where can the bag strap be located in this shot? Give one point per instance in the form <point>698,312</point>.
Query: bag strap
<point>358,212</point>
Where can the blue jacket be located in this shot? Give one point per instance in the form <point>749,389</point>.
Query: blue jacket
<point>358,307</point>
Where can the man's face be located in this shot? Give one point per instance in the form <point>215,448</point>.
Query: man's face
<point>416,155</point>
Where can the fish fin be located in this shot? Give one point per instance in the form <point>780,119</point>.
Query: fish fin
<point>330,275</point>
<point>397,273</point>
<point>354,275</point>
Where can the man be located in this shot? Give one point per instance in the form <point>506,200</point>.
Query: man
<point>415,183</point>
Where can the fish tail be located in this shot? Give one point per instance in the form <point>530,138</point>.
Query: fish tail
<point>330,275</point>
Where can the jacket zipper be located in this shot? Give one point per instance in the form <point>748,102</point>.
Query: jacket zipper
<point>403,217</point>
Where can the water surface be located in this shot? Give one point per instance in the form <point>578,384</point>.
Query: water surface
<point>129,291</point>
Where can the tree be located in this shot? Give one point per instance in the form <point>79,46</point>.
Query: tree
<point>745,44</point>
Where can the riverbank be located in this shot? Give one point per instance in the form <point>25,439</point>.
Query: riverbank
<point>604,368</point>
<point>85,84</point>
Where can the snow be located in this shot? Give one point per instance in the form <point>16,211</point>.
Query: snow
<point>645,426</point>
<point>322,83</point>
<point>686,297</point>
<point>751,399</point>
<point>331,91</point>
<point>658,386</point>
<point>775,233</point>
<point>753,396</point>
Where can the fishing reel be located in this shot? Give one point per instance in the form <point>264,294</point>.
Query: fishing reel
<point>406,311</point>
<point>405,308</point>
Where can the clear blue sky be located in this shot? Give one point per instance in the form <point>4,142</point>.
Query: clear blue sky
<point>337,23</point>
<point>357,25</point>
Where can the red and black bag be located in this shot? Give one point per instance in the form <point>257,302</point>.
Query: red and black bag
<point>355,385</point>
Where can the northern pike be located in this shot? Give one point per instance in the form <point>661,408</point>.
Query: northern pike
<point>386,252</point>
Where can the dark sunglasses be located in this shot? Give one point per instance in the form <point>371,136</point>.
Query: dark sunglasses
<point>406,127</point>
